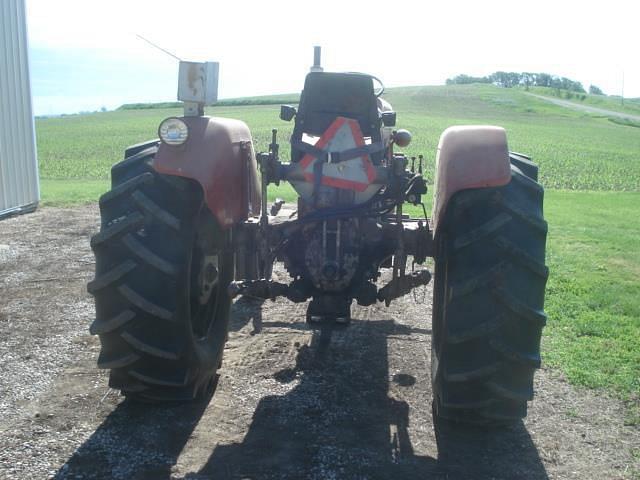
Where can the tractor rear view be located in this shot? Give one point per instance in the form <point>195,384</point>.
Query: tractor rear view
<point>186,228</point>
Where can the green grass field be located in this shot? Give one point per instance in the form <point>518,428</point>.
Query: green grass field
<point>589,166</point>
<point>593,292</point>
<point>616,104</point>
<point>574,150</point>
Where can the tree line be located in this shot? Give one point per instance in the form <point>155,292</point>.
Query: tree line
<point>525,79</point>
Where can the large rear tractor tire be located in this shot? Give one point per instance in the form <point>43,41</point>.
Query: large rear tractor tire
<point>489,290</point>
<point>162,270</point>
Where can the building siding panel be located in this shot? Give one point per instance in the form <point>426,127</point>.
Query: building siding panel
<point>19,185</point>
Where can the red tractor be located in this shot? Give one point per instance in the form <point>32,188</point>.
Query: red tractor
<point>185,228</point>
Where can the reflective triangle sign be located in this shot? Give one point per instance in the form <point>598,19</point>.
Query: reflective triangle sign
<point>354,174</point>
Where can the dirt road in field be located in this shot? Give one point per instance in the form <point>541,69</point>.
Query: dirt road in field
<point>587,108</point>
<point>291,403</point>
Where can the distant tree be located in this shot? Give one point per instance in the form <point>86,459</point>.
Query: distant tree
<point>543,80</point>
<point>466,79</point>
<point>500,78</point>
<point>593,90</point>
<point>526,79</point>
<point>572,85</point>
<point>103,109</point>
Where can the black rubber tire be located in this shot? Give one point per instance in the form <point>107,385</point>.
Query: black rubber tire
<point>159,341</point>
<point>489,291</point>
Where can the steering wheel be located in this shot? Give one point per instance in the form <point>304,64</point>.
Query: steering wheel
<point>380,89</point>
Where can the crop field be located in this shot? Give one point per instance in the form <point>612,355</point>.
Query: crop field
<point>589,165</point>
<point>574,150</point>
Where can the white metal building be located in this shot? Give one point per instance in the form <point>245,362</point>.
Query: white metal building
<point>19,185</point>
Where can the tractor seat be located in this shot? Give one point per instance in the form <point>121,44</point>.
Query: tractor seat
<point>327,96</point>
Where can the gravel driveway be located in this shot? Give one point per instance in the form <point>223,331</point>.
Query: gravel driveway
<point>350,403</point>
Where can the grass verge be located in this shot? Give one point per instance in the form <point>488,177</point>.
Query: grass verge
<point>593,330</point>
<point>67,193</point>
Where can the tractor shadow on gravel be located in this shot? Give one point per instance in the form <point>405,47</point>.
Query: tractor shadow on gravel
<point>339,420</point>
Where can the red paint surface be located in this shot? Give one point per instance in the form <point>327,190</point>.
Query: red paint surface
<point>212,156</point>
<point>469,157</point>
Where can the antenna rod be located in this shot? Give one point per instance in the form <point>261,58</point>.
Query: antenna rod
<point>159,48</point>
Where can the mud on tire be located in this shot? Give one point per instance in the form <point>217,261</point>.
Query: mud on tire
<point>489,289</point>
<point>162,268</point>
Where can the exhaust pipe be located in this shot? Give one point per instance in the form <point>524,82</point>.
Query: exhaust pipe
<point>316,67</point>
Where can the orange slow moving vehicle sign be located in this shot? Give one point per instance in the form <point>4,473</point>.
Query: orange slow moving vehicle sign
<point>354,174</point>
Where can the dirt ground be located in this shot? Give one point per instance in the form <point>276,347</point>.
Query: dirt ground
<point>349,403</point>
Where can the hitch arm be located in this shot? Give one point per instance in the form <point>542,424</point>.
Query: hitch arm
<point>264,288</point>
<point>402,285</point>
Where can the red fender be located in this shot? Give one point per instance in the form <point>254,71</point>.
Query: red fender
<point>219,155</point>
<point>469,157</point>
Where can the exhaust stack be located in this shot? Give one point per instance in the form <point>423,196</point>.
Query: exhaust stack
<point>316,67</point>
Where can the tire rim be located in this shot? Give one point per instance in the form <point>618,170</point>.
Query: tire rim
<point>205,279</point>
<point>204,291</point>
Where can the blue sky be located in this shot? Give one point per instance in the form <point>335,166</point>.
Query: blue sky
<point>85,54</point>
<point>68,80</point>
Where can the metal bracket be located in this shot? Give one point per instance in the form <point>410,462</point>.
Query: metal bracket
<point>193,109</point>
<point>402,285</point>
